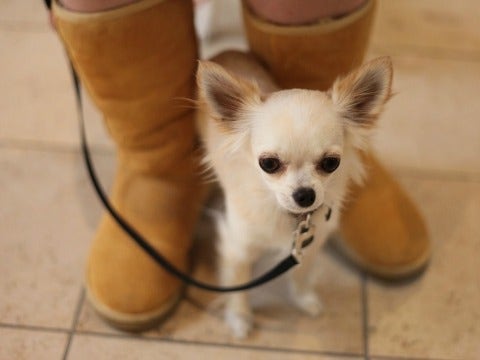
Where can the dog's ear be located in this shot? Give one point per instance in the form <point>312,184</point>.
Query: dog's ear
<point>360,95</point>
<point>226,95</point>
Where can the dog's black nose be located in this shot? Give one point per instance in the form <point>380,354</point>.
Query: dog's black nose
<point>304,196</point>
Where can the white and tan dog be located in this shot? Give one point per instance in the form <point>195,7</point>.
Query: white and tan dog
<point>278,155</point>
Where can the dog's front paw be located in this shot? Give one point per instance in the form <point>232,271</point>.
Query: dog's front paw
<point>309,303</point>
<point>240,323</point>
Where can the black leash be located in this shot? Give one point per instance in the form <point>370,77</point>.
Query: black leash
<point>303,234</point>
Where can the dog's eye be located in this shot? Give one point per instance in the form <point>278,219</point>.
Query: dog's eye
<point>269,164</point>
<point>329,164</point>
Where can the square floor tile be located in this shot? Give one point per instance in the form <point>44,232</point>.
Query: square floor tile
<point>432,120</point>
<point>37,103</point>
<point>437,315</point>
<point>46,229</point>
<point>17,344</point>
<point>37,99</point>
<point>428,26</point>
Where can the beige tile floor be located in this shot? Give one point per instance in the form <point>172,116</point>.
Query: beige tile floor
<point>430,138</point>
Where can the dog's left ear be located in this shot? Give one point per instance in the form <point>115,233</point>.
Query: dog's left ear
<point>228,96</point>
<point>360,96</point>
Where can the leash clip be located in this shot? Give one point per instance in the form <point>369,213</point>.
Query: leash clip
<point>303,236</point>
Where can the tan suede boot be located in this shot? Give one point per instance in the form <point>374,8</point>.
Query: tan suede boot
<point>136,63</point>
<point>382,230</point>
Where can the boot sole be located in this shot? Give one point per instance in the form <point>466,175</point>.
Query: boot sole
<point>133,322</point>
<point>386,272</point>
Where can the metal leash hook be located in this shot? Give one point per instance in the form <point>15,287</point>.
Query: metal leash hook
<point>303,236</point>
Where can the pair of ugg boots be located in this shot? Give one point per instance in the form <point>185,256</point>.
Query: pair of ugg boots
<point>137,62</point>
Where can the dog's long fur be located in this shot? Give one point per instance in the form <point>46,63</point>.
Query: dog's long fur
<point>244,118</point>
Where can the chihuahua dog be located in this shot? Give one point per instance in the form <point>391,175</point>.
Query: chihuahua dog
<point>279,156</point>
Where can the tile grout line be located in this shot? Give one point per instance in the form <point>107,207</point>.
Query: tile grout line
<point>33,328</point>
<point>365,316</point>
<point>25,27</point>
<point>215,344</point>
<point>393,357</point>
<point>426,52</point>
<point>447,175</point>
<point>54,146</point>
<point>76,316</point>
